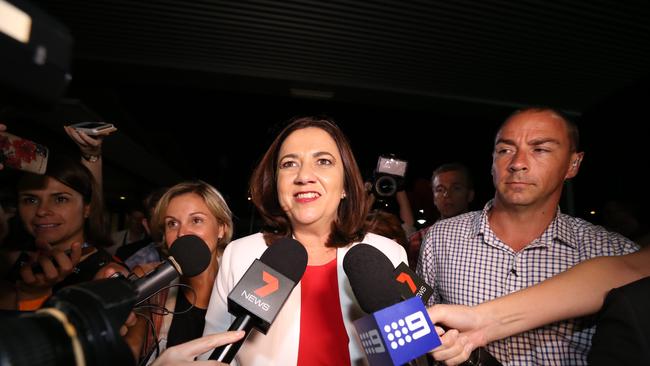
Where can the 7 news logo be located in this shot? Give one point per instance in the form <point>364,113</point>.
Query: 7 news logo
<point>271,285</point>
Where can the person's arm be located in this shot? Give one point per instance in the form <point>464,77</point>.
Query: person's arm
<point>405,212</point>
<point>576,292</point>
<point>184,354</point>
<point>91,151</point>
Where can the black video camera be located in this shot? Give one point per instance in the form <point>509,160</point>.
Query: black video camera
<point>388,177</point>
<point>387,180</point>
<point>79,325</point>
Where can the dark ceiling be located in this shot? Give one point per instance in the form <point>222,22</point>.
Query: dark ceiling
<point>568,54</point>
<point>429,80</point>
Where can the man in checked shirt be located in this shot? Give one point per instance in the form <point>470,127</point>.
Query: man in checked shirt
<point>520,238</point>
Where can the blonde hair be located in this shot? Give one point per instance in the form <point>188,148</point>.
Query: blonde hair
<point>212,198</point>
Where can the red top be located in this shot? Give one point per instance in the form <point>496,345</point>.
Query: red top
<point>323,339</point>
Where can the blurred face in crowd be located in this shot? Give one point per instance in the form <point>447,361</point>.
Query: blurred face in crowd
<point>310,178</point>
<point>188,214</point>
<point>532,158</point>
<point>451,193</point>
<point>53,213</point>
<point>135,221</point>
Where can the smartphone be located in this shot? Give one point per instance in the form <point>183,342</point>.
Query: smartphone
<point>94,128</point>
<point>24,259</point>
<point>19,153</point>
<point>391,165</point>
<point>85,250</point>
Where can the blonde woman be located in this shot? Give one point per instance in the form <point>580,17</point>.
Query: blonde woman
<point>190,208</point>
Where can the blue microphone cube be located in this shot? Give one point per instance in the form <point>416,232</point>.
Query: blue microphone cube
<point>397,334</point>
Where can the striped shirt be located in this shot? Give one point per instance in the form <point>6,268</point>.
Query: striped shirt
<point>465,263</point>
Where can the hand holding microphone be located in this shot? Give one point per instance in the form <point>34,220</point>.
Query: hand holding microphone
<point>377,286</point>
<point>259,295</point>
<point>80,323</point>
<point>396,331</point>
<point>184,354</point>
<point>189,256</point>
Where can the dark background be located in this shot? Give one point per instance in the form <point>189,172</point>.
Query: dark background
<point>429,81</point>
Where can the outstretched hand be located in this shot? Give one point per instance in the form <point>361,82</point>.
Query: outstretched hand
<point>465,336</point>
<point>184,354</point>
<point>87,144</point>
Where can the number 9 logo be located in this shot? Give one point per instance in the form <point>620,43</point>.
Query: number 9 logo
<point>417,323</point>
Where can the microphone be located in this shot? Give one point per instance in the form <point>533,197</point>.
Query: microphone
<point>396,331</point>
<point>260,294</point>
<point>189,256</point>
<point>411,284</point>
<point>82,322</point>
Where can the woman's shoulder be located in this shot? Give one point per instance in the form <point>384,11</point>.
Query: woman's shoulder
<point>387,246</point>
<point>247,246</point>
<point>379,241</point>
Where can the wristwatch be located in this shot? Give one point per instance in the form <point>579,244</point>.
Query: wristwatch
<point>90,158</point>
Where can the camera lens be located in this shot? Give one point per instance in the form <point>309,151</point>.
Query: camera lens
<point>78,325</point>
<point>386,186</point>
<point>35,339</point>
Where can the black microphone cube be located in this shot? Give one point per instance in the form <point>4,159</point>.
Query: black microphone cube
<point>260,293</point>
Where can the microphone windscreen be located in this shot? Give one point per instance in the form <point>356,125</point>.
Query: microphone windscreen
<point>287,256</point>
<point>371,277</point>
<point>191,253</point>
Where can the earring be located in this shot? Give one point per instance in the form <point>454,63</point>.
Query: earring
<point>343,195</point>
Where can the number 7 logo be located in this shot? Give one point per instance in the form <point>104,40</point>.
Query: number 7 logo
<point>271,286</point>
<point>405,278</point>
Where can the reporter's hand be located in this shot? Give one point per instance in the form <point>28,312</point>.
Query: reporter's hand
<point>143,269</point>
<point>454,349</point>
<point>87,144</point>
<point>52,274</point>
<point>133,329</point>
<point>110,269</point>
<point>466,335</point>
<point>184,354</point>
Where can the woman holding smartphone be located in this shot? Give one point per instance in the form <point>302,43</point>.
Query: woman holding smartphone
<point>61,211</point>
<point>90,146</point>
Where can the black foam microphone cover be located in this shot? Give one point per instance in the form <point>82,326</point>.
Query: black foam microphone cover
<point>371,277</point>
<point>191,253</point>
<point>287,256</point>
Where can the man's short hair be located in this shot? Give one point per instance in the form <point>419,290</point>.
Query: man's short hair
<point>454,167</point>
<point>572,128</point>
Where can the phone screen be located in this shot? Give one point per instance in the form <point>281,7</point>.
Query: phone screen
<point>90,125</point>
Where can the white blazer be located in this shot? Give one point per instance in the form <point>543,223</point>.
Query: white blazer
<point>280,345</point>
